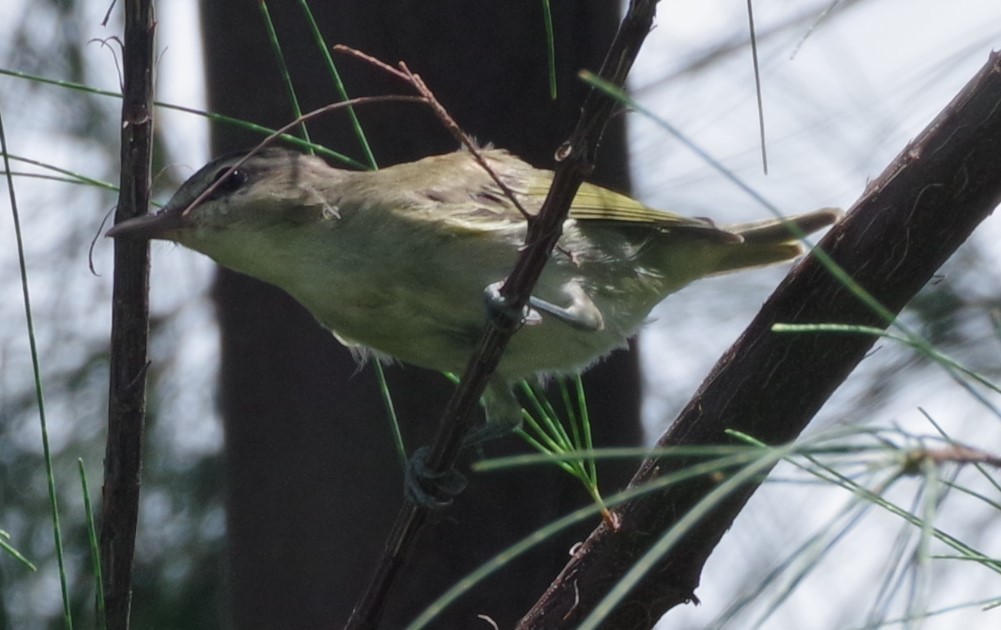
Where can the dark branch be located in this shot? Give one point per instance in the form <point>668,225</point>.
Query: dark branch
<point>575,162</point>
<point>769,385</point>
<point>129,323</point>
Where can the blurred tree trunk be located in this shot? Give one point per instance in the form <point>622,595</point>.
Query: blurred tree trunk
<point>313,479</point>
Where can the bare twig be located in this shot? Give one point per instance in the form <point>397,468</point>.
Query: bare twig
<point>428,97</point>
<point>959,454</point>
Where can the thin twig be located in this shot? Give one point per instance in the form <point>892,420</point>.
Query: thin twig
<point>463,138</point>
<point>417,83</point>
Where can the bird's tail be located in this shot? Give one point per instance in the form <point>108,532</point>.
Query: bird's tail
<point>772,240</point>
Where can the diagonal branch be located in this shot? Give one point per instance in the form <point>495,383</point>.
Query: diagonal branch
<point>769,385</point>
<point>574,162</point>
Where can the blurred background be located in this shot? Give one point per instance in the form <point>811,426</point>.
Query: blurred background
<point>845,85</point>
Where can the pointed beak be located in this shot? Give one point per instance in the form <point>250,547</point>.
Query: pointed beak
<point>162,225</point>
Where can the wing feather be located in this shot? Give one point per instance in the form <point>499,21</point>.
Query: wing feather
<point>486,209</point>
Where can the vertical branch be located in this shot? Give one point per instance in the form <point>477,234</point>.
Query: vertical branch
<point>129,322</point>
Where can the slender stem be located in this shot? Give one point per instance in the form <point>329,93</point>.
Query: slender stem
<point>575,158</point>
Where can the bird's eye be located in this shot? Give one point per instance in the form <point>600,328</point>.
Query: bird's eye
<point>228,181</point>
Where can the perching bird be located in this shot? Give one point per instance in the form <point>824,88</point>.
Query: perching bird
<point>397,260</point>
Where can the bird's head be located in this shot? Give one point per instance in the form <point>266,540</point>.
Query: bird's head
<point>238,194</point>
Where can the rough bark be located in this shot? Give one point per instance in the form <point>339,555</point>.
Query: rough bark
<point>906,224</point>
<point>129,324</point>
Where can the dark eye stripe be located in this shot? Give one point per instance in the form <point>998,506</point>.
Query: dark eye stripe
<point>230,183</point>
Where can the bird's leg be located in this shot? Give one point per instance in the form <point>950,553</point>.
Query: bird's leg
<point>581,313</point>
<point>503,414</point>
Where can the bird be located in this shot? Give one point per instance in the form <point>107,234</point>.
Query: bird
<point>396,262</point>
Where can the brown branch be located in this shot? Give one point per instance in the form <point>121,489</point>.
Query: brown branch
<point>129,324</point>
<point>769,385</point>
<point>575,161</point>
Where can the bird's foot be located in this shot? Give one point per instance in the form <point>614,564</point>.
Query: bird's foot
<point>498,304</point>
<point>581,313</point>
<point>428,488</point>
